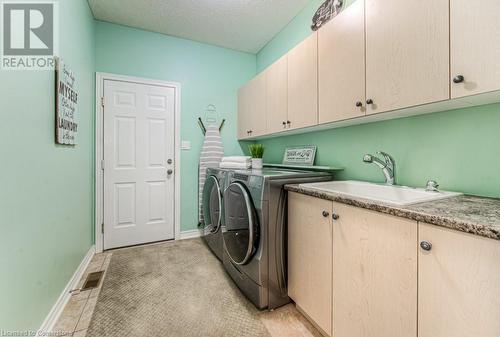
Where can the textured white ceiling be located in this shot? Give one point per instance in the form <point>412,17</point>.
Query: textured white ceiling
<point>245,25</point>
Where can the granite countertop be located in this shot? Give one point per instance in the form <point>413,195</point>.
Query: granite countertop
<point>470,214</point>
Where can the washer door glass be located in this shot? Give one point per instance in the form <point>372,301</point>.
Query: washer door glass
<point>212,206</point>
<point>241,229</point>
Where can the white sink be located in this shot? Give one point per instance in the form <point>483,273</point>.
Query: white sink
<point>396,195</point>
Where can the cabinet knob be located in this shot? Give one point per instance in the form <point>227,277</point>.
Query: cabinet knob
<point>326,214</point>
<point>426,245</point>
<point>359,104</point>
<point>335,216</point>
<point>369,101</point>
<point>288,122</point>
<point>284,124</point>
<point>458,79</point>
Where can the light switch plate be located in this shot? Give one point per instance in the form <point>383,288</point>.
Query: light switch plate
<point>185,145</point>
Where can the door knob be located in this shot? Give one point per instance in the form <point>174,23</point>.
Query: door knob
<point>326,214</point>
<point>369,101</point>
<point>170,172</point>
<point>458,79</point>
<point>426,245</point>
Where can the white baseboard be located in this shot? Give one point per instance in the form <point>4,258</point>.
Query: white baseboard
<point>63,299</point>
<point>195,233</point>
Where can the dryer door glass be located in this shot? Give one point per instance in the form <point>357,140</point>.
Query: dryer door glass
<point>241,229</point>
<point>212,205</point>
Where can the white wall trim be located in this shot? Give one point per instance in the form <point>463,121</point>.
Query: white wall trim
<point>192,234</point>
<point>99,153</point>
<point>51,319</point>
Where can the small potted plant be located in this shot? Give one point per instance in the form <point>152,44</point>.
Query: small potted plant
<point>257,152</point>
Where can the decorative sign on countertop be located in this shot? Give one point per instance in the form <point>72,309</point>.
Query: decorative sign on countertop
<point>300,155</point>
<point>66,104</point>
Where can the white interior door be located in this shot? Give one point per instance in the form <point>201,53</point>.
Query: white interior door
<point>139,149</point>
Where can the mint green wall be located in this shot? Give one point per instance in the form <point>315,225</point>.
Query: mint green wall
<point>46,193</point>
<point>458,148</point>
<point>208,75</point>
<point>296,31</point>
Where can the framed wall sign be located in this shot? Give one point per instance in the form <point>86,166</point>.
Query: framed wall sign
<point>300,155</point>
<point>66,104</point>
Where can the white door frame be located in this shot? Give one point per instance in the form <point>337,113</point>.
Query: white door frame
<point>99,153</point>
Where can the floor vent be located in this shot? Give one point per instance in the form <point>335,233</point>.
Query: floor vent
<point>92,281</point>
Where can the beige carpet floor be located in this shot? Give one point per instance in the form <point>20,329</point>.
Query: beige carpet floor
<point>176,289</point>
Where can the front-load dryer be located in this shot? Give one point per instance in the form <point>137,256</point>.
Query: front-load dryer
<point>254,231</point>
<point>213,210</point>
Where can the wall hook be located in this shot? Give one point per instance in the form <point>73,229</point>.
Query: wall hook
<point>202,126</point>
<point>222,125</point>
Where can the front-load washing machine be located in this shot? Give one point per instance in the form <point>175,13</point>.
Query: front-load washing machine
<point>254,231</point>
<point>213,210</point>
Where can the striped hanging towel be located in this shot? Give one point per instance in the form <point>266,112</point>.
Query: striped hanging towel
<point>212,152</point>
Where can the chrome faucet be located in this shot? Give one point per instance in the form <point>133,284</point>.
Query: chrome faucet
<point>388,167</point>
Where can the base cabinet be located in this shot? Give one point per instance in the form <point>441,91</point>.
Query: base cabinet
<point>459,284</point>
<point>360,273</point>
<point>310,258</point>
<point>375,274</point>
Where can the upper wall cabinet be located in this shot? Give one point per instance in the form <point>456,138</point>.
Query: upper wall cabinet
<point>375,57</point>
<point>341,49</point>
<point>475,51</point>
<point>252,108</point>
<point>303,84</point>
<point>277,96</point>
<point>407,53</point>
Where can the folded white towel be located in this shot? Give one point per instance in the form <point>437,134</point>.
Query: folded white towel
<point>238,166</point>
<point>237,159</point>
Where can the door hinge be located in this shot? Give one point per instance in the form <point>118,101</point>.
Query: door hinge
<point>102,102</point>
<point>102,228</point>
<point>102,165</point>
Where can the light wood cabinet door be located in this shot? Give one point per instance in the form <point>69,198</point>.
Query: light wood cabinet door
<point>475,47</point>
<point>310,257</point>
<point>459,284</point>
<point>407,53</point>
<point>374,274</point>
<point>277,95</point>
<point>303,84</point>
<point>244,104</point>
<point>252,108</point>
<point>341,49</point>
<point>257,111</point>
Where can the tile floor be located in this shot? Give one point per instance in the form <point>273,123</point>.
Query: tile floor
<point>76,316</point>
